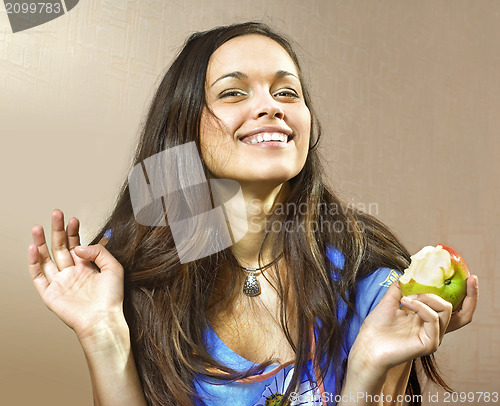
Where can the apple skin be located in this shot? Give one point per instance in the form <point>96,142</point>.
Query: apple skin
<point>454,289</point>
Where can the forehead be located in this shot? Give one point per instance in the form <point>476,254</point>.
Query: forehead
<point>251,53</point>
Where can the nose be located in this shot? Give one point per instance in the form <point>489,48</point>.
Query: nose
<point>267,105</point>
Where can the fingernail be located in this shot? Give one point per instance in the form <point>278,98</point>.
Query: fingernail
<point>108,233</point>
<point>411,297</point>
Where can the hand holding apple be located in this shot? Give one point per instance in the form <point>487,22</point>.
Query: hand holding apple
<point>439,270</point>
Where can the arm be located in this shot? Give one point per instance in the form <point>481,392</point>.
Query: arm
<point>111,365</point>
<point>428,320</point>
<point>389,339</point>
<point>396,382</point>
<point>90,301</point>
<point>390,389</point>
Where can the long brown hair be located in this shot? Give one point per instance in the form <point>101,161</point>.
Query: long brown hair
<point>166,303</point>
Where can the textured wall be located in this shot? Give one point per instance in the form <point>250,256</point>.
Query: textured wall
<point>408,93</point>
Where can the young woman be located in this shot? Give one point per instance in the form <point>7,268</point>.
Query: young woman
<point>302,308</point>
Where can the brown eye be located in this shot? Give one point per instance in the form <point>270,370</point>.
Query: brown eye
<point>231,93</point>
<point>287,93</point>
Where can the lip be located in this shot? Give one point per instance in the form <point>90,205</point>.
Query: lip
<point>268,129</point>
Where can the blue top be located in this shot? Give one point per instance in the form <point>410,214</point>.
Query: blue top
<point>267,388</point>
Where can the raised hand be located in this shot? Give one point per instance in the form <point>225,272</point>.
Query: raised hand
<point>80,294</point>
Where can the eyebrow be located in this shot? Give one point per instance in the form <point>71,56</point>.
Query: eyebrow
<point>240,75</point>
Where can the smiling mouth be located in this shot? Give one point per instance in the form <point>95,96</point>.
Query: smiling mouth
<point>267,137</point>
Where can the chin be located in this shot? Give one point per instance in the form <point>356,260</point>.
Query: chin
<point>272,178</point>
<point>273,169</point>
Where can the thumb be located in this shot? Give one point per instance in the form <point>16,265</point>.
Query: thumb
<point>393,293</point>
<point>100,256</point>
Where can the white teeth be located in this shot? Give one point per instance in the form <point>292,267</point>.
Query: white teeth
<point>266,137</point>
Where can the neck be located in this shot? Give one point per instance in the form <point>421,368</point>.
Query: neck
<point>258,203</point>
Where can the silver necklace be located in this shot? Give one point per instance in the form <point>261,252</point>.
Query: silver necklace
<point>251,287</point>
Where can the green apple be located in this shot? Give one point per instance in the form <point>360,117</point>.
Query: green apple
<point>439,270</point>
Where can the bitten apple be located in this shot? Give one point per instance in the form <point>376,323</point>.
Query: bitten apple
<point>439,270</point>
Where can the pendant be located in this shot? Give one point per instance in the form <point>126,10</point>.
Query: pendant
<point>251,287</point>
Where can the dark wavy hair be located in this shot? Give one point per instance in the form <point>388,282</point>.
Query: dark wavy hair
<point>167,303</point>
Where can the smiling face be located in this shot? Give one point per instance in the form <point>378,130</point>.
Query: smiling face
<point>263,127</point>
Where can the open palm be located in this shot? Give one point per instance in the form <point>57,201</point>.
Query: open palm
<point>80,294</point>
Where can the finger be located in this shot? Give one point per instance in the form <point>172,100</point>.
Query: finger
<point>427,314</point>
<point>48,267</point>
<point>59,245</point>
<point>465,314</point>
<point>441,307</point>
<point>100,256</point>
<point>470,301</point>
<point>36,271</point>
<point>72,230</point>
<point>430,335</point>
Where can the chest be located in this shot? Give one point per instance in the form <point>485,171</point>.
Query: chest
<point>257,340</point>
<point>253,330</point>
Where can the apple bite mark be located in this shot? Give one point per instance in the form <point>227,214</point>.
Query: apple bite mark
<point>429,258</point>
<point>439,270</point>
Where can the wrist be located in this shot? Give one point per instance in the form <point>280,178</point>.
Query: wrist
<point>110,332</point>
<point>363,384</point>
<point>365,369</point>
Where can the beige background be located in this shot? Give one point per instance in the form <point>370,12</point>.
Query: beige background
<point>408,93</point>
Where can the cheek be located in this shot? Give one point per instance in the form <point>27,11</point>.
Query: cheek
<point>304,128</point>
<point>305,138</point>
<point>307,118</point>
